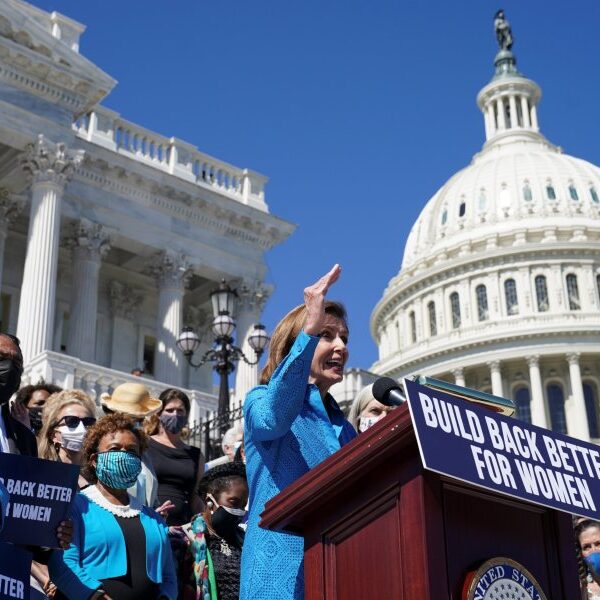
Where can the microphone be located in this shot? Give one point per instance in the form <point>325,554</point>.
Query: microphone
<point>388,392</point>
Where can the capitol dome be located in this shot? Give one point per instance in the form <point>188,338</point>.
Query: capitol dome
<point>499,288</point>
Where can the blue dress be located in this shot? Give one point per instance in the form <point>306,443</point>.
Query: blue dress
<point>288,431</point>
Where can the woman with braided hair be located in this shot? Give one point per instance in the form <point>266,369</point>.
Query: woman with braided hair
<point>217,534</point>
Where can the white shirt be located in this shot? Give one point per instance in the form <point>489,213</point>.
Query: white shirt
<point>4,447</point>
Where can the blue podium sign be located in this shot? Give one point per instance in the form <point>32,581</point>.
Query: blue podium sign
<point>15,566</point>
<point>466,442</point>
<point>40,497</point>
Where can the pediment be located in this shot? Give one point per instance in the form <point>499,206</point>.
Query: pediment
<point>29,49</point>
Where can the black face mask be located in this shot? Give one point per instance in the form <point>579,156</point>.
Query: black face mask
<point>10,379</point>
<point>227,526</point>
<point>35,418</point>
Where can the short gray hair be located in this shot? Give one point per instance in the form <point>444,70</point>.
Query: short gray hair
<point>229,436</point>
<point>359,404</point>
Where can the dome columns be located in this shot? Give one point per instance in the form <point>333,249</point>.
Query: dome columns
<point>509,105</point>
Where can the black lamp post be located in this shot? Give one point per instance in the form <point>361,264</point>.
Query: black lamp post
<point>224,353</point>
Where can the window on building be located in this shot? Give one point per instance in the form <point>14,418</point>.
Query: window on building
<point>149,354</point>
<point>444,216</point>
<point>455,309</point>
<point>510,293</point>
<point>556,405</point>
<point>541,293</point>
<point>482,303</point>
<point>4,312</point>
<point>413,326</point>
<point>573,193</point>
<point>591,408</point>
<point>594,195</point>
<point>523,404</point>
<point>462,209</point>
<point>482,201</point>
<point>527,195</point>
<point>573,292</point>
<point>550,192</point>
<point>432,318</point>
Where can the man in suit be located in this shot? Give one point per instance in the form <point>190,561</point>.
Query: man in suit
<point>15,438</point>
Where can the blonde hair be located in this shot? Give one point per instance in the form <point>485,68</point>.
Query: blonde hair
<point>52,408</point>
<point>359,404</point>
<point>287,331</point>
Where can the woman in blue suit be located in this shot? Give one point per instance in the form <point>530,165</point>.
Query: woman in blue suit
<point>120,548</point>
<point>291,425</point>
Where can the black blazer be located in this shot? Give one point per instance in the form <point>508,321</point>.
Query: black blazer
<point>21,439</point>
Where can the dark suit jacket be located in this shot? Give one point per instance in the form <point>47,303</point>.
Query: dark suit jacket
<point>20,439</point>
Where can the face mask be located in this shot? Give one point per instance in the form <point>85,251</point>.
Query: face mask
<point>72,439</point>
<point>10,379</point>
<point>593,563</point>
<point>35,418</point>
<point>366,422</point>
<point>118,470</point>
<point>226,523</point>
<point>173,423</point>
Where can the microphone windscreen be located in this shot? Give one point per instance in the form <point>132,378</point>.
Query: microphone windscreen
<point>383,386</point>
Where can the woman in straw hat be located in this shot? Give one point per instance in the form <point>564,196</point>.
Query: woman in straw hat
<point>291,425</point>
<point>134,400</point>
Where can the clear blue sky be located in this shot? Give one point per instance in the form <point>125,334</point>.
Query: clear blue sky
<point>358,111</point>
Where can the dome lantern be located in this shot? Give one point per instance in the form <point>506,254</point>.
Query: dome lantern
<point>509,101</point>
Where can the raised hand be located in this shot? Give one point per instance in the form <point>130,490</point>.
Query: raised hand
<point>314,300</point>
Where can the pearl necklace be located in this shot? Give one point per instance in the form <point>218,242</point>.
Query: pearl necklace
<point>133,509</point>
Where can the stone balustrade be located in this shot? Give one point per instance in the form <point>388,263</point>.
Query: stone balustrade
<point>69,372</point>
<point>171,155</point>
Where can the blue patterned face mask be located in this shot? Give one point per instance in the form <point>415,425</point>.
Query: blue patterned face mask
<point>593,563</point>
<point>118,470</point>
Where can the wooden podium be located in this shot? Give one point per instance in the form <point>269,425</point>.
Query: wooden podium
<point>377,526</point>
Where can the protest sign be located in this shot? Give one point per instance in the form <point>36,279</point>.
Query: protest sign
<point>466,442</point>
<point>41,493</point>
<point>15,566</point>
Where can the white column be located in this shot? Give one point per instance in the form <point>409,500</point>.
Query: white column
<point>496,377</point>
<point>538,406</point>
<point>10,208</point>
<point>50,167</point>
<point>514,120</point>
<point>89,243</point>
<point>170,270</point>
<point>534,120</point>
<point>459,377</point>
<point>251,301</point>
<point>491,119</point>
<point>525,112</point>
<point>577,422</point>
<point>501,114</point>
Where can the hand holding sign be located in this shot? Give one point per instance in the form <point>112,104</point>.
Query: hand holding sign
<point>41,493</point>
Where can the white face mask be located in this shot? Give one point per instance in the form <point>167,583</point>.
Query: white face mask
<point>366,422</point>
<point>72,439</point>
<point>238,512</point>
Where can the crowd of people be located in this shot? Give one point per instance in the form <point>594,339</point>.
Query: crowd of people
<point>151,519</point>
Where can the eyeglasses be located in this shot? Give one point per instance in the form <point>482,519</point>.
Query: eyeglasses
<point>71,421</point>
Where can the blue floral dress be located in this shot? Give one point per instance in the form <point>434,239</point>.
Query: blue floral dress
<point>289,429</point>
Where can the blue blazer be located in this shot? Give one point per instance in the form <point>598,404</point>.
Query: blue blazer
<point>97,551</point>
<point>288,431</point>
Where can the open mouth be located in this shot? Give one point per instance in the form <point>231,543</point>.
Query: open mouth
<point>336,365</point>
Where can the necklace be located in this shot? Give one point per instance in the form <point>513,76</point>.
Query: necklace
<point>133,509</point>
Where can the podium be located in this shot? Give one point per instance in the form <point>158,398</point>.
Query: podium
<point>377,526</point>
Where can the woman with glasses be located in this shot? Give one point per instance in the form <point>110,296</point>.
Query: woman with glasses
<point>120,549</point>
<point>66,417</point>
